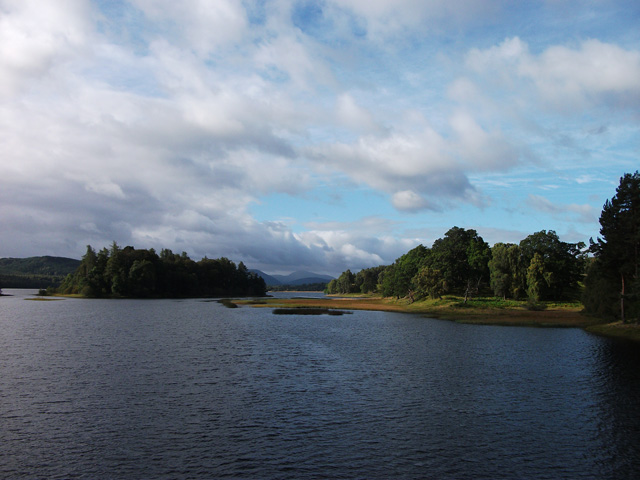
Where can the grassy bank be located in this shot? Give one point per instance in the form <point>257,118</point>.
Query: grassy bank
<point>617,330</point>
<point>482,311</point>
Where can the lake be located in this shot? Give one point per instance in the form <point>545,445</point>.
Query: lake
<point>191,389</point>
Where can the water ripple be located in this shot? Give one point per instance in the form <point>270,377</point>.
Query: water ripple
<point>164,389</point>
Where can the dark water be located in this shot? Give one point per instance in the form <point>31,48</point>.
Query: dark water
<point>190,389</point>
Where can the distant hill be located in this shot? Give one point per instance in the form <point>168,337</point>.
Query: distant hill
<point>301,277</point>
<point>60,266</point>
<point>268,279</point>
<point>35,272</point>
<point>296,278</point>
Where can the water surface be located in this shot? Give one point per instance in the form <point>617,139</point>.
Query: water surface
<point>190,389</point>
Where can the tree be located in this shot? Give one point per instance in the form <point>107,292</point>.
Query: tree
<point>617,252</point>
<point>502,269</point>
<point>396,279</point>
<point>331,288</point>
<point>562,262</point>
<point>462,256</point>
<point>429,282</point>
<point>346,282</point>
<point>539,278</point>
<point>367,279</point>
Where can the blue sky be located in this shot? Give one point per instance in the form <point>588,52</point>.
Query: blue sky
<point>319,135</point>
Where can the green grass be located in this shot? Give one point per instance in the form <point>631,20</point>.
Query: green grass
<point>617,330</point>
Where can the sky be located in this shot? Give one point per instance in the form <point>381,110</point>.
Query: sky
<point>311,135</point>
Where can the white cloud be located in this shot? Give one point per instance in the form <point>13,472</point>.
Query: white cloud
<point>410,201</point>
<point>352,115</point>
<point>479,149</point>
<point>565,78</point>
<point>37,36</point>
<point>201,26</point>
<point>291,55</point>
<point>422,169</point>
<point>581,213</point>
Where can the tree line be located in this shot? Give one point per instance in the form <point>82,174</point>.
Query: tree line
<point>541,267</point>
<point>140,273</point>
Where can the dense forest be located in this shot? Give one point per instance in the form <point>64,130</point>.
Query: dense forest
<point>539,268</point>
<point>130,272</point>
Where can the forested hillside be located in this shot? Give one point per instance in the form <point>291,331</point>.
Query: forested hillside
<point>35,272</point>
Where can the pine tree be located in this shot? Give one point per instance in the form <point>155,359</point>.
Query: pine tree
<point>617,251</point>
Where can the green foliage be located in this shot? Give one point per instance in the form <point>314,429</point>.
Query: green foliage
<point>561,264</point>
<point>462,256</point>
<point>367,279</point>
<point>501,270</point>
<point>429,282</point>
<point>617,264</point>
<point>344,284</point>
<point>397,279</point>
<point>539,278</point>
<point>601,296</point>
<point>130,272</point>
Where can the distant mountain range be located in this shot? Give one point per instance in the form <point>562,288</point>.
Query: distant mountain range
<point>300,277</point>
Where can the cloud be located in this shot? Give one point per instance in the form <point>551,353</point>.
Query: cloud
<point>157,125</point>
<point>410,201</point>
<point>202,27</point>
<point>564,78</point>
<point>422,169</point>
<point>387,18</point>
<point>479,149</point>
<point>36,37</point>
<point>581,213</point>
<point>355,117</point>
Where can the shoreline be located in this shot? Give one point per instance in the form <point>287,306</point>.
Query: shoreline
<point>478,311</point>
<point>474,312</point>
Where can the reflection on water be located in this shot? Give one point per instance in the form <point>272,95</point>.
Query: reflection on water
<point>190,389</point>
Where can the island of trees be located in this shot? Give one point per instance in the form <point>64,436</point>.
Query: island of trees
<point>139,273</point>
<point>539,268</point>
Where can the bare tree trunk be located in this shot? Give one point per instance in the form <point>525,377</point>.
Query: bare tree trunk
<point>466,292</point>
<point>622,300</point>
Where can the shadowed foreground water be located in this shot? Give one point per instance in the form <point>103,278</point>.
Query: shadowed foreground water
<point>190,389</point>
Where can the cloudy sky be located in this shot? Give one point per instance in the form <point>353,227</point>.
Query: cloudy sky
<point>320,135</point>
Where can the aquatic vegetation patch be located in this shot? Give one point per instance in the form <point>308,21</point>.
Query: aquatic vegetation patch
<point>309,311</point>
<point>227,303</point>
<point>41,299</point>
